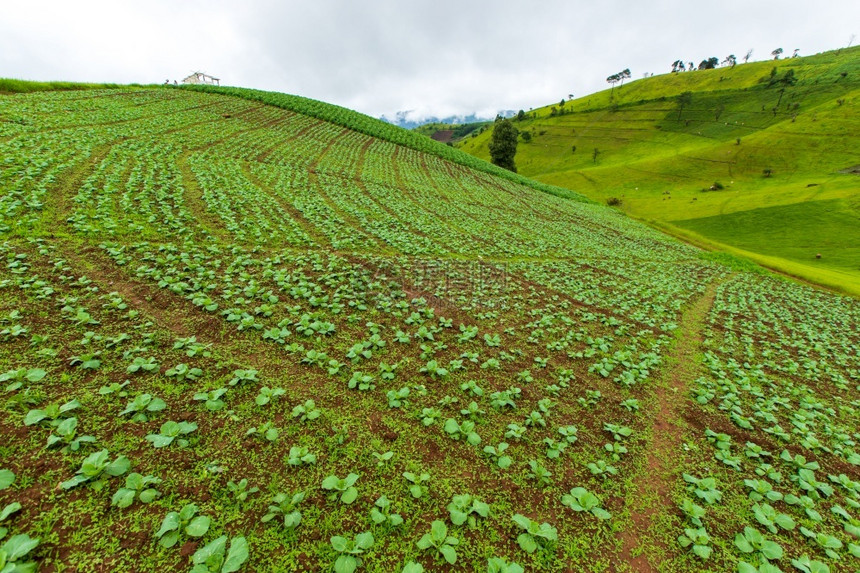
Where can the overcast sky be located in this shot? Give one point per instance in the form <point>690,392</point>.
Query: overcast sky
<point>439,57</point>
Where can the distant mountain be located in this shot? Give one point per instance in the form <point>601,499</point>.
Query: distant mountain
<point>408,120</point>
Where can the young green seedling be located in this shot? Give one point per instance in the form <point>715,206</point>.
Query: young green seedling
<point>465,508</point>
<point>439,540</point>
<point>300,455</point>
<point>497,455</point>
<point>285,506</point>
<point>185,520</point>
<point>580,499</point>
<point>267,394</point>
<point>97,469</point>
<point>535,534</point>
<point>140,364</point>
<point>14,551</point>
<point>266,431</point>
<point>136,487</point>
<point>698,540</point>
<point>66,434</point>
<point>307,411</point>
<point>382,458</point>
<point>502,565</point>
<point>349,550</point>
<point>348,493</point>
<point>141,405</point>
<point>397,398</point>
<point>752,542</point>
<point>381,513</point>
<point>539,473</point>
<point>211,399</point>
<point>418,487</point>
<point>171,431</point>
<point>53,413</point>
<point>466,431</point>
<point>214,557</point>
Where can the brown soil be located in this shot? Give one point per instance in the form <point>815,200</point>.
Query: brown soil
<point>657,479</point>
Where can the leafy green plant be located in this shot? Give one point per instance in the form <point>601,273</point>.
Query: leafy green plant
<point>240,490</point>
<point>464,430</point>
<point>602,469</point>
<point>434,370</point>
<point>136,486</point>
<point>285,506</point>
<point>382,458</point>
<point>185,521</point>
<point>618,432</point>
<point>501,565</point>
<point>140,364</point>
<point>704,488</point>
<point>14,551</point>
<point>539,473</point>
<point>141,405</point>
<point>7,478</point>
<point>397,398</point>
<point>53,413</point>
<point>467,508</point>
<point>184,372</point>
<point>346,487</point>
<point>535,535</point>
<point>765,514</point>
<point>361,381</point>
<point>381,513</point>
<point>243,376</point>
<point>580,499</point>
<point>349,550</point>
<point>267,394</point>
<point>307,411</point>
<point>211,399</point>
<point>419,481</point>
<point>440,542</point>
<point>96,469</point>
<point>752,542</point>
<point>429,416</point>
<point>300,455</point>
<point>698,540</point>
<point>497,454</point>
<point>807,565</point>
<point>266,431</point>
<point>66,434</point>
<point>215,557</point>
<point>171,431</point>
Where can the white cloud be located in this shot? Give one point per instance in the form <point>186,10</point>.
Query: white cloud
<point>444,57</point>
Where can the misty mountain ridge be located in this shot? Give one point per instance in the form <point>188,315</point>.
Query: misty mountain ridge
<point>408,119</point>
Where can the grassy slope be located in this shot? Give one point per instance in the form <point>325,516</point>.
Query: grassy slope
<point>658,165</point>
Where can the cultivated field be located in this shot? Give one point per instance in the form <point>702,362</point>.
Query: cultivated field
<point>238,337</point>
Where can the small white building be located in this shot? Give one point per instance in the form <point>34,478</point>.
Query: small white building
<point>201,78</point>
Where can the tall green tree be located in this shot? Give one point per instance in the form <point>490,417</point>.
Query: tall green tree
<point>503,144</point>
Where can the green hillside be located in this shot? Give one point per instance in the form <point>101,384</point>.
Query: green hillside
<point>784,194</point>
<point>245,331</point>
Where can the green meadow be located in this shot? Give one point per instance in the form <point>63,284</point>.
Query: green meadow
<point>757,161</point>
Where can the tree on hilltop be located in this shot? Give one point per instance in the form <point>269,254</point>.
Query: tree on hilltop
<point>776,53</point>
<point>503,144</point>
<point>730,60</point>
<point>709,64</point>
<point>748,56</point>
<point>612,80</point>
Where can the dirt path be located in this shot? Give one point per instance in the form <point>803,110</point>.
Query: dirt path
<point>651,491</point>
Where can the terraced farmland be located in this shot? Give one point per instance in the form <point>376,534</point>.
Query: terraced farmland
<point>237,337</point>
